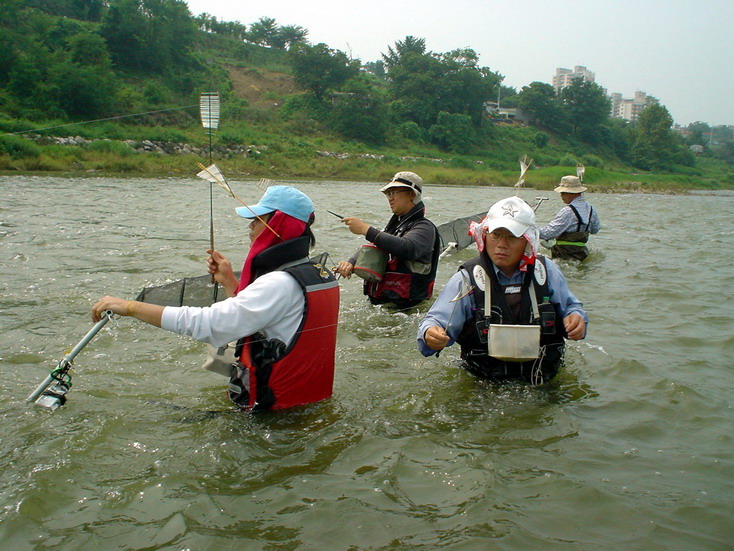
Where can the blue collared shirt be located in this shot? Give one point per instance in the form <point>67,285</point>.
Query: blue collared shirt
<point>462,310</point>
<point>566,220</point>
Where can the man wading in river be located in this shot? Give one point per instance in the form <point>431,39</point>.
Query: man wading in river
<point>574,222</point>
<point>410,241</point>
<point>509,308</point>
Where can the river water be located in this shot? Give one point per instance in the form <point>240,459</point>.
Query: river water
<point>629,448</point>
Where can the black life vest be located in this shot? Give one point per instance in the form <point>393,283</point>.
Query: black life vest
<point>399,284</point>
<point>511,304</point>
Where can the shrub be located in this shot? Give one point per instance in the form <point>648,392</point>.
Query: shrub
<point>19,148</point>
<point>592,160</point>
<point>411,131</point>
<point>235,109</point>
<point>567,160</point>
<point>540,139</point>
<point>303,105</point>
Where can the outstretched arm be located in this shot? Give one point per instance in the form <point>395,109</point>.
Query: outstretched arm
<point>149,313</point>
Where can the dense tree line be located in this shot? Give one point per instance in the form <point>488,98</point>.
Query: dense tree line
<point>422,95</point>
<point>83,59</point>
<point>582,110</point>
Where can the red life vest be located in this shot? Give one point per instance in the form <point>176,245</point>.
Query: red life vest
<point>280,376</point>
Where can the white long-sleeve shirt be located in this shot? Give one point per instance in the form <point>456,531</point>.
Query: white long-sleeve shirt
<point>273,304</point>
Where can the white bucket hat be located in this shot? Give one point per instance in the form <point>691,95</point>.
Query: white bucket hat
<point>408,180</point>
<point>570,184</point>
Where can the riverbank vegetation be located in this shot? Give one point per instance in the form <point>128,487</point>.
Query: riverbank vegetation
<point>119,81</point>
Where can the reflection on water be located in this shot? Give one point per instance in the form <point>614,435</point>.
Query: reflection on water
<point>629,448</point>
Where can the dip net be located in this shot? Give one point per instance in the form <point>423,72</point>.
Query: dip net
<point>195,291</point>
<point>457,231</point>
<point>189,291</point>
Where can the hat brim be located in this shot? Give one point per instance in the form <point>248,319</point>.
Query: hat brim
<point>398,184</point>
<point>516,228</point>
<point>564,189</point>
<point>253,211</point>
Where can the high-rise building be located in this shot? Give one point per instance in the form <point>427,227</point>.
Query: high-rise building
<point>628,109</point>
<point>622,108</point>
<point>564,77</point>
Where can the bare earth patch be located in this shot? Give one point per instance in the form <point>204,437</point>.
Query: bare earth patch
<point>261,88</point>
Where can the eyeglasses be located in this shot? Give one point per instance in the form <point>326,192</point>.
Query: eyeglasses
<point>496,237</point>
<point>392,192</point>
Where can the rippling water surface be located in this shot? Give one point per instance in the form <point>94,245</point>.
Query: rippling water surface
<point>629,448</point>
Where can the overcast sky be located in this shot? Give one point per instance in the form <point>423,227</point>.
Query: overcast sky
<point>680,51</point>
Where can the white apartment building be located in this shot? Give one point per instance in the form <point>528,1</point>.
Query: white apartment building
<point>628,109</point>
<point>622,108</point>
<point>564,77</point>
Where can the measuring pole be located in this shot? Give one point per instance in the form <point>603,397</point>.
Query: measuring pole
<point>209,111</point>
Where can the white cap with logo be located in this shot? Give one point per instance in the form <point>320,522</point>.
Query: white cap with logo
<point>513,214</point>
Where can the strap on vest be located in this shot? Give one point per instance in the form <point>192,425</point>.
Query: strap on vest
<point>572,243</point>
<point>488,298</point>
<point>580,221</point>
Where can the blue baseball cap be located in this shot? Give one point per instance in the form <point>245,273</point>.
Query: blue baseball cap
<point>286,199</point>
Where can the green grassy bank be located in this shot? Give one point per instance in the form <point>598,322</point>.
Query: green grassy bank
<point>286,150</point>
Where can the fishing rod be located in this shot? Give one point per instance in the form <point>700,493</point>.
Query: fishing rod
<point>463,291</point>
<point>56,396</point>
<point>213,175</point>
<point>118,117</point>
<point>209,111</point>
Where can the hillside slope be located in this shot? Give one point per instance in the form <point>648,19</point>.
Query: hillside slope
<point>260,87</point>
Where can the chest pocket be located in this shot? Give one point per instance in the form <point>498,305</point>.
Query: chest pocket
<point>513,343</point>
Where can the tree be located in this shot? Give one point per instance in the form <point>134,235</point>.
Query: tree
<point>86,10</point>
<point>82,90</point>
<point>89,49</point>
<point>698,133</point>
<point>377,68</point>
<point>170,34</point>
<point>359,111</point>
<point>319,69</point>
<point>422,84</point>
<point>124,30</point>
<point>414,84</point>
<point>288,35</point>
<point>263,32</point>
<point>154,36</point>
<point>466,87</point>
<point>411,45</point>
<point>586,108</point>
<point>654,147</point>
<point>539,101</point>
<point>453,131</point>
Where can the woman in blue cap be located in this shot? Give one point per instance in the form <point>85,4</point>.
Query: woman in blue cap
<point>283,310</point>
